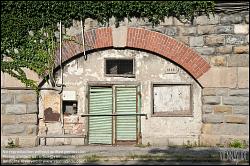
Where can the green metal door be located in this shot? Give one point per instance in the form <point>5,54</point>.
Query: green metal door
<point>100,127</point>
<point>126,104</point>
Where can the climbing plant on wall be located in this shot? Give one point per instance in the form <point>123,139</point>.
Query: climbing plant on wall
<point>28,27</point>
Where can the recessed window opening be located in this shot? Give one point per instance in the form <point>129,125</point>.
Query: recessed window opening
<point>69,107</point>
<point>119,67</point>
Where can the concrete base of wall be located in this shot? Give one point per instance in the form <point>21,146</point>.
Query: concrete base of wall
<point>49,141</point>
<point>172,141</point>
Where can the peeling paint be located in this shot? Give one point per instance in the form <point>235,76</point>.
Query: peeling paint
<point>149,68</point>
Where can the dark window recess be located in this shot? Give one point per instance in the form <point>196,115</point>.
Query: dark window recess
<point>69,107</point>
<point>120,67</point>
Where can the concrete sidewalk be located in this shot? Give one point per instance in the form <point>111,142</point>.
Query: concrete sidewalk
<point>123,155</point>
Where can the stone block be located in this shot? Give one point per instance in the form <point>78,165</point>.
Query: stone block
<point>219,77</point>
<point>241,29</point>
<point>247,38</point>
<point>32,108</point>
<point>54,128</point>
<point>73,31</point>
<point>177,21</point>
<point>211,100</point>
<point>26,98</point>
<point>78,129</point>
<point>214,40</point>
<point>241,119</point>
<point>82,120</point>
<point>224,29</point>
<point>15,109</point>
<point>59,141</point>
<point>227,139</point>
<point>50,141</point>
<point>218,60</point>
<point>159,29</point>
<point>119,36</point>
<point>235,39</point>
<point>247,18</point>
<point>77,141</point>
<point>206,128</point>
<point>14,129</point>
<point>239,92</point>
<point>9,81</point>
<point>31,130</point>
<point>52,100</point>
<point>71,119</point>
<point>196,41</point>
<point>207,109</point>
<point>209,140</point>
<point>213,118</point>
<point>171,31</point>
<point>6,98</point>
<point>42,130</point>
<point>205,30</point>
<point>2,109</point>
<point>235,100</point>
<point>209,91</point>
<point>224,49</point>
<point>8,119</point>
<point>241,49</point>
<point>28,118</point>
<point>205,50</point>
<point>226,129</point>
<point>28,141</point>
<point>222,109</point>
<point>67,141</point>
<point>183,39</point>
<point>221,91</point>
<point>243,77</point>
<point>167,21</point>
<point>188,30</point>
<point>204,20</point>
<point>231,19</point>
<point>241,110</point>
<point>238,60</point>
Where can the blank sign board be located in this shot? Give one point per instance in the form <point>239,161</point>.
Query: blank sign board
<point>172,99</point>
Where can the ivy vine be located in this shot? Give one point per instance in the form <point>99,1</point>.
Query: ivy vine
<point>28,27</point>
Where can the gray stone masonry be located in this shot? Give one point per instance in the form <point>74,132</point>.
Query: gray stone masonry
<point>19,117</point>
<point>238,60</point>
<point>235,100</point>
<point>223,40</point>
<point>211,100</point>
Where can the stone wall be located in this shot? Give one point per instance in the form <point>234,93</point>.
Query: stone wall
<point>19,118</point>
<point>223,40</point>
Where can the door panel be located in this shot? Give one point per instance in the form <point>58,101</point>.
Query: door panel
<point>100,127</point>
<point>126,104</point>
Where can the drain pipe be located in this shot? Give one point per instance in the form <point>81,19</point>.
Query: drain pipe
<point>61,85</point>
<point>83,41</point>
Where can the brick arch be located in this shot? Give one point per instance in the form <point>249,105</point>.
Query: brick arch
<point>141,39</point>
